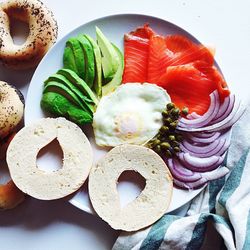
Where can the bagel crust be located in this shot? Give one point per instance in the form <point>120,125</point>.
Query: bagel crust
<point>42,33</point>
<point>149,206</point>
<point>24,148</point>
<point>11,108</point>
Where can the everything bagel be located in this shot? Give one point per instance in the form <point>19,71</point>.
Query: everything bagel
<point>42,33</point>
<point>11,108</point>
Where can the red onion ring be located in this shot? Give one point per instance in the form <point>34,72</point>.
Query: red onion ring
<point>206,177</point>
<point>200,164</point>
<point>181,173</point>
<point>207,117</point>
<point>198,140</point>
<point>193,115</point>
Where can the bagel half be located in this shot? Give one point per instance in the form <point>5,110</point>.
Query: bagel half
<point>42,34</point>
<point>11,108</point>
<point>24,148</point>
<point>149,206</point>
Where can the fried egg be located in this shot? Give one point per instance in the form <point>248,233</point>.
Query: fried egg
<point>131,114</point>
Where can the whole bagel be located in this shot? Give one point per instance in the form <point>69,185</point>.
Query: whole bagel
<point>42,33</point>
<point>11,108</point>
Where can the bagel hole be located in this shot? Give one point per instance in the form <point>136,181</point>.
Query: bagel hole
<point>50,157</point>
<point>19,31</point>
<point>130,185</point>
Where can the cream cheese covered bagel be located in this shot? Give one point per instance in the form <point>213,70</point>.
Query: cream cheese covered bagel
<point>11,108</point>
<point>24,148</point>
<point>149,206</point>
<point>42,33</point>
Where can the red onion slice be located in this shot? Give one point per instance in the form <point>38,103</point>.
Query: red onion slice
<point>228,122</point>
<point>207,117</point>
<point>200,164</point>
<point>200,140</point>
<point>181,173</point>
<point>193,115</point>
<point>225,109</point>
<point>218,148</point>
<point>206,177</point>
<point>203,134</point>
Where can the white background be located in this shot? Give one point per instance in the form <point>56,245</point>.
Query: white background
<point>224,24</point>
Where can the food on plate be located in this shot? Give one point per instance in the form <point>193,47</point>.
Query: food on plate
<point>149,206</point>
<point>11,108</point>
<point>66,94</point>
<point>98,62</point>
<point>10,195</point>
<point>42,35</point>
<point>77,159</point>
<point>175,63</point>
<point>167,140</point>
<point>131,114</point>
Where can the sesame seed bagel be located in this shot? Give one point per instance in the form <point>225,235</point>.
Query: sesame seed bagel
<point>149,206</point>
<point>42,33</point>
<point>11,108</point>
<point>24,148</point>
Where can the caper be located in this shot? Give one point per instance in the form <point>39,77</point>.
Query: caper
<point>176,149</point>
<point>167,121</point>
<point>155,142</point>
<point>164,129</point>
<point>168,153</point>
<point>173,125</point>
<point>179,138</point>
<point>157,148</point>
<point>165,145</point>
<point>184,111</point>
<point>175,112</point>
<point>175,143</point>
<point>171,138</point>
<point>170,106</point>
<point>165,113</point>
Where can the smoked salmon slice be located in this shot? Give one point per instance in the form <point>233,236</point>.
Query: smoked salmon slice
<point>136,54</point>
<point>135,59</point>
<point>189,87</point>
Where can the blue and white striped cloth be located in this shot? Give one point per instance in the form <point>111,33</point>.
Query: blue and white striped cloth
<point>218,218</point>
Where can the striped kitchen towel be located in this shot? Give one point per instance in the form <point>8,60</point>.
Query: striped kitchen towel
<point>218,218</point>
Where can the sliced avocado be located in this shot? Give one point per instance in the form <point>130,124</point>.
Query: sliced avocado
<point>78,82</point>
<point>69,59</point>
<point>110,58</point>
<point>59,105</point>
<point>89,60</point>
<point>117,79</point>
<point>65,91</point>
<point>88,103</point>
<point>98,66</point>
<point>78,55</point>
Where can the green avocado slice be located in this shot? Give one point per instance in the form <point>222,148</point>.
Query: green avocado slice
<point>59,105</point>
<point>88,103</point>
<point>65,91</point>
<point>117,79</point>
<point>79,83</point>
<point>76,48</point>
<point>89,60</point>
<point>69,59</point>
<point>98,66</point>
<point>110,59</point>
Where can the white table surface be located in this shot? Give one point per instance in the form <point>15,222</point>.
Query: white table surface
<point>225,24</point>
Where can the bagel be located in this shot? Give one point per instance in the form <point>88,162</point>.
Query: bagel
<point>149,206</point>
<point>42,33</point>
<point>11,108</point>
<point>10,195</point>
<point>24,148</point>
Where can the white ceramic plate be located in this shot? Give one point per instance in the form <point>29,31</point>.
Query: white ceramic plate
<point>114,27</point>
